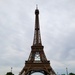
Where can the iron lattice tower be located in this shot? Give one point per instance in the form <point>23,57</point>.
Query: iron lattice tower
<point>37,61</point>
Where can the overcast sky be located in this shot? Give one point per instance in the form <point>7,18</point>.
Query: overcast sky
<point>57,24</point>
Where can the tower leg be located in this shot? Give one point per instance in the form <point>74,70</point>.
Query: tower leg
<point>45,73</point>
<point>29,73</point>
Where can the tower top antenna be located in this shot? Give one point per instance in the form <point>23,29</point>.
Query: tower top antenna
<point>36,6</point>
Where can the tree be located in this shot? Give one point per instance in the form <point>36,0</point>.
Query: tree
<point>9,73</point>
<point>71,74</point>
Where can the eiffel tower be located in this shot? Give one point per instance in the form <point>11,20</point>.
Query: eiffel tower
<point>37,61</point>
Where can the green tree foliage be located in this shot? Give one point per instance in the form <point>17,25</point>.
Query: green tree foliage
<point>62,74</point>
<point>9,73</point>
<point>71,74</point>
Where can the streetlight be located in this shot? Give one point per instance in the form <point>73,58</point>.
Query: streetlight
<point>66,70</point>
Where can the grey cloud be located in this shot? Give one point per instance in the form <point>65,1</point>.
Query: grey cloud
<point>57,22</point>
